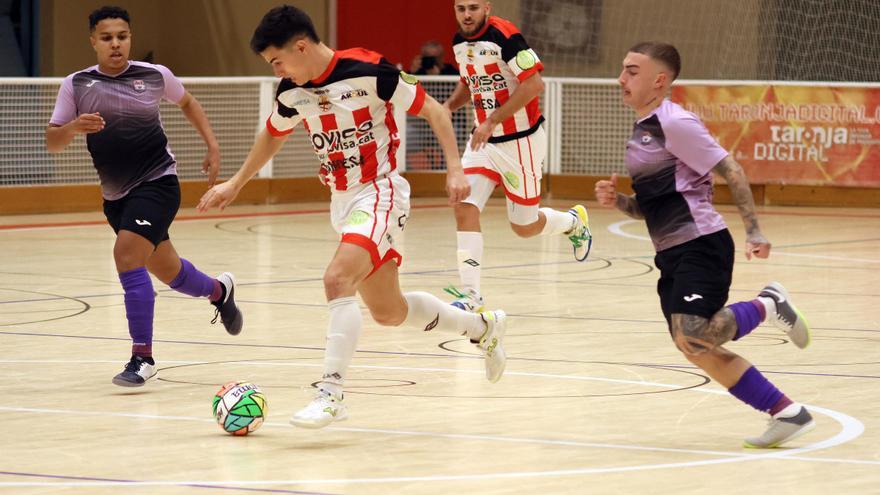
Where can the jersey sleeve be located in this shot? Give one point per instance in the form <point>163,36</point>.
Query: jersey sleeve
<point>399,88</point>
<point>689,140</point>
<point>521,59</point>
<point>283,119</point>
<point>174,89</point>
<point>65,105</point>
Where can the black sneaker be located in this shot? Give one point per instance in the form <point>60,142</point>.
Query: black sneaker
<point>136,373</point>
<point>226,309</point>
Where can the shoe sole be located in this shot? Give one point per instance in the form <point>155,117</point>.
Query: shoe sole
<point>806,429</point>
<point>317,426</point>
<point>782,290</point>
<point>585,218</point>
<point>499,347</point>
<point>125,383</point>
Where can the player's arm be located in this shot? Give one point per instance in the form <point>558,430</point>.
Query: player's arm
<point>196,116</point>
<point>59,136</point>
<point>527,90</point>
<point>459,97</point>
<point>457,185</point>
<point>264,148</point>
<point>607,195</point>
<point>738,183</point>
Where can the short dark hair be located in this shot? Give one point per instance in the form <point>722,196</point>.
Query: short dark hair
<point>662,52</point>
<point>108,12</point>
<point>281,25</point>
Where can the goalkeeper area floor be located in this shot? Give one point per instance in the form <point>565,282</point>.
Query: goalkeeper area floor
<point>595,399</point>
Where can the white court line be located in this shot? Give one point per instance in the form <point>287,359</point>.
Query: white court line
<point>616,228</point>
<point>851,429</point>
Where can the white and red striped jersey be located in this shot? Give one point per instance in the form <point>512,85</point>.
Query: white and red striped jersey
<point>348,112</point>
<point>492,63</point>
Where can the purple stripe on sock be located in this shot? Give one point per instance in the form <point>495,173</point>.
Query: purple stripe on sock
<point>755,390</point>
<point>192,282</point>
<point>139,303</point>
<point>748,317</point>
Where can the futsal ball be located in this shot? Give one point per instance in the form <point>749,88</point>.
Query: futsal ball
<point>239,407</point>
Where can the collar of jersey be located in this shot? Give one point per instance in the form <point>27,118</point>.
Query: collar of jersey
<point>117,75</point>
<point>653,112</point>
<point>324,75</point>
<point>482,30</point>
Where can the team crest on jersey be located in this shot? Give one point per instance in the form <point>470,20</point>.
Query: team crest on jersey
<point>324,103</point>
<point>409,78</point>
<point>470,52</point>
<point>525,60</point>
<point>139,85</point>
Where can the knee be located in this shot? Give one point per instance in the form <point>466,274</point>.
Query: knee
<point>388,317</point>
<point>338,284</point>
<point>524,231</point>
<point>127,259</point>
<point>467,215</point>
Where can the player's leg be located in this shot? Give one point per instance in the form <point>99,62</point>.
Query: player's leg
<point>182,276</point>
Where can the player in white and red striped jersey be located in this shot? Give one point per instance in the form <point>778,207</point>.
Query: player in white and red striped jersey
<point>501,76</point>
<point>346,101</point>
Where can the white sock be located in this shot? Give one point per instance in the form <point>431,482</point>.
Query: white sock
<point>769,306</point>
<point>558,222</point>
<point>342,338</point>
<point>790,410</point>
<point>470,258</point>
<point>427,312</point>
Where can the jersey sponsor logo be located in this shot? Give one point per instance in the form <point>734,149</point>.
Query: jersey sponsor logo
<point>409,78</point>
<point>512,179</point>
<point>354,161</point>
<point>343,139</point>
<point>142,222</point>
<point>525,60</point>
<point>139,85</point>
<point>358,217</point>
<point>488,103</point>
<point>489,52</point>
<point>354,93</point>
<point>91,83</point>
<point>494,81</point>
<point>692,297</point>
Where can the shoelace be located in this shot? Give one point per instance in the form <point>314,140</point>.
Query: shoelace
<point>454,292</point>
<point>133,365</point>
<point>579,238</point>
<point>216,315</point>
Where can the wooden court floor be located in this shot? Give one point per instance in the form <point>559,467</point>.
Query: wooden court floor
<point>595,399</point>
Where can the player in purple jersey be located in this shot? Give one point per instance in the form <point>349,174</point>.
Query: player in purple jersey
<point>671,157</point>
<point>345,99</point>
<point>115,104</point>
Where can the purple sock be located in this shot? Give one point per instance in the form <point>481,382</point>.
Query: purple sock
<point>756,391</point>
<point>194,283</point>
<point>748,316</point>
<point>139,302</point>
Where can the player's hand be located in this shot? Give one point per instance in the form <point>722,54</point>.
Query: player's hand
<point>757,245</point>
<point>88,123</point>
<point>457,186</point>
<point>211,165</point>
<point>482,134</point>
<point>220,195</point>
<point>606,191</point>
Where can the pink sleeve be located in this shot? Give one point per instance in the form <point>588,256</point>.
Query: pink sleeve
<point>65,106</point>
<point>174,89</point>
<point>689,140</point>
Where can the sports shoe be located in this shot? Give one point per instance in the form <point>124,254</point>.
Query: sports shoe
<point>137,371</point>
<point>491,343</point>
<point>782,429</point>
<point>787,317</point>
<point>580,236</point>
<point>324,409</point>
<point>228,312</point>
<point>469,300</point>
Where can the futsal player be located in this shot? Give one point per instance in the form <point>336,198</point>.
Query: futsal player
<point>671,157</point>
<point>501,76</point>
<point>346,100</point>
<point>115,104</point>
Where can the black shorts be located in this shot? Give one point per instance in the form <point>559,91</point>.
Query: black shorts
<point>147,210</point>
<point>695,276</point>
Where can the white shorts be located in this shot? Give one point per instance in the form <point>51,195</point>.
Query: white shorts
<point>373,216</point>
<point>516,165</point>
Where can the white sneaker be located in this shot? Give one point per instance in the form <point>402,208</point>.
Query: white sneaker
<point>491,343</point>
<point>136,373</point>
<point>788,424</point>
<point>581,237</point>
<point>787,317</point>
<point>469,300</point>
<point>324,409</point>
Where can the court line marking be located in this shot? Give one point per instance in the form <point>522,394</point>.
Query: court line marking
<point>851,428</point>
<point>616,228</point>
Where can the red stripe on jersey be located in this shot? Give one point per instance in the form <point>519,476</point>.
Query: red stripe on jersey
<point>361,54</point>
<point>394,142</point>
<point>478,99</point>
<point>418,101</point>
<point>336,158</point>
<point>506,27</point>
<point>491,174</point>
<point>275,132</point>
<point>533,111</point>
<point>369,163</point>
<point>322,172</point>
<point>501,97</point>
<point>529,73</point>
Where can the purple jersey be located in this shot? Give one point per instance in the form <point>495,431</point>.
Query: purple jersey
<point>132,148</point>
<point>670,157</point>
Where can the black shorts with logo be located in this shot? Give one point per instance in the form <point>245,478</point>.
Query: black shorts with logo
<point>695,276</point>
<point>147,210</point>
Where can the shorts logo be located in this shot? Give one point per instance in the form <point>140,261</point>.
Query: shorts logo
<point>139,85</point>
<point>142,222</point>
<point>692,297</point>
<point>512,179</point>
<point>525,60</point>
<point>358,217</point>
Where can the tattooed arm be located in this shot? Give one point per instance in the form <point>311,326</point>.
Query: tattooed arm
<point>629,205</point>
<point>607,195</point>
<point>756,243</point>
